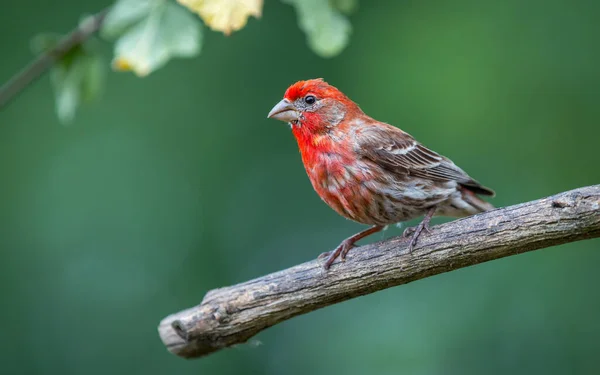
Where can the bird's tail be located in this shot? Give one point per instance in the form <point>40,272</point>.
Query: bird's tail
<point>471,198</point>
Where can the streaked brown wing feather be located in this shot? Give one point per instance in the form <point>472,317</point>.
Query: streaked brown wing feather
<point>399,152</point>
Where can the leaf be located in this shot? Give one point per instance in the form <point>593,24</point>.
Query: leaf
<point>77,79</point>
<point>93,78</point>
<point>327,30</point>
<point>124,14</point>
<point>66,92</point>
<point>150,35</point>
<point>345,6</point>
<point>225,15</point>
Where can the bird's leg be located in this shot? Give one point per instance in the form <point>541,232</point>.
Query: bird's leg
<point>416,231</point>
<point>348,244</point>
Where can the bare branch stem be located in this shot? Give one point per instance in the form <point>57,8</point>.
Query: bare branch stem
<point>231,315</point>
<point>43,62</point>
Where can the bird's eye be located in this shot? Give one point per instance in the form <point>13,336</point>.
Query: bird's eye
<point>310,99</point>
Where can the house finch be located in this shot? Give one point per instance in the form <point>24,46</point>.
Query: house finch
<point>369,171</point>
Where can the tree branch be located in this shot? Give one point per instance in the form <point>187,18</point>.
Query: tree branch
<point>232,315</point>
<point>43,62</point>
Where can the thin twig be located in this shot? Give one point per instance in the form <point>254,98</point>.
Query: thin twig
<point>231,315</point>
<point>43,62</point>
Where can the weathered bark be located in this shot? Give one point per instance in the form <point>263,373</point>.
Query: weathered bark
<point>232,315</point>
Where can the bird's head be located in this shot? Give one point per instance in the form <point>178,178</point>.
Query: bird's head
<point>313,106</point>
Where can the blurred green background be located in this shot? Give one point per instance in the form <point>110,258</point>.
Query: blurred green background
<point>177,183</point>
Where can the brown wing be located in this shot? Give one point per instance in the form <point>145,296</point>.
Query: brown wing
<point>399,152</point>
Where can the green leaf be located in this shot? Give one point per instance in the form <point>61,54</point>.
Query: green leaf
<point>345,6</point>
<point>94,73</point>
<point>124,14</point>
<point>152,35</point>
<point>77,78</point>
<point>327,30</point>
<point>66,92</point>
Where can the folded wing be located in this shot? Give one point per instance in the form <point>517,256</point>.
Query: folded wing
<point>399,152</point>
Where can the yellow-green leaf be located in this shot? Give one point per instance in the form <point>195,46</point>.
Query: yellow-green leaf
<point>225,15</point>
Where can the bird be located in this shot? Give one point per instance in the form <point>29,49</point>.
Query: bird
<point>369,171</point>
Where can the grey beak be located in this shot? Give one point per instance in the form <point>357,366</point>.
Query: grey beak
<point>284,111</point>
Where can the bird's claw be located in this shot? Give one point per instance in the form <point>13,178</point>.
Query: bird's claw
<point>346,248</point>
<point>415,232</point>
<point>411,230</point>
<point>346,245</point>
<point>412,243</point>
<point>408,231</point>
<point>341,251</point>
<point>324,255</point>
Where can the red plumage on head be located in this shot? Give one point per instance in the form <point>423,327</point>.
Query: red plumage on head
<point>317,87</point>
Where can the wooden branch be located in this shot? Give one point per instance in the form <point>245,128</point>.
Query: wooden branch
<point>44,61</point>
<point>231,315</point>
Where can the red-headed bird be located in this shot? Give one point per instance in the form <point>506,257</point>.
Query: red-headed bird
<point>369,171</point>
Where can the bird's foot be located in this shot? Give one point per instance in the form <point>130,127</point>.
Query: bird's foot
<point>416,231</point>
<point>409,231</point>
<point>341,251</point>
<point>346,245</point>
<point>324,255</point>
